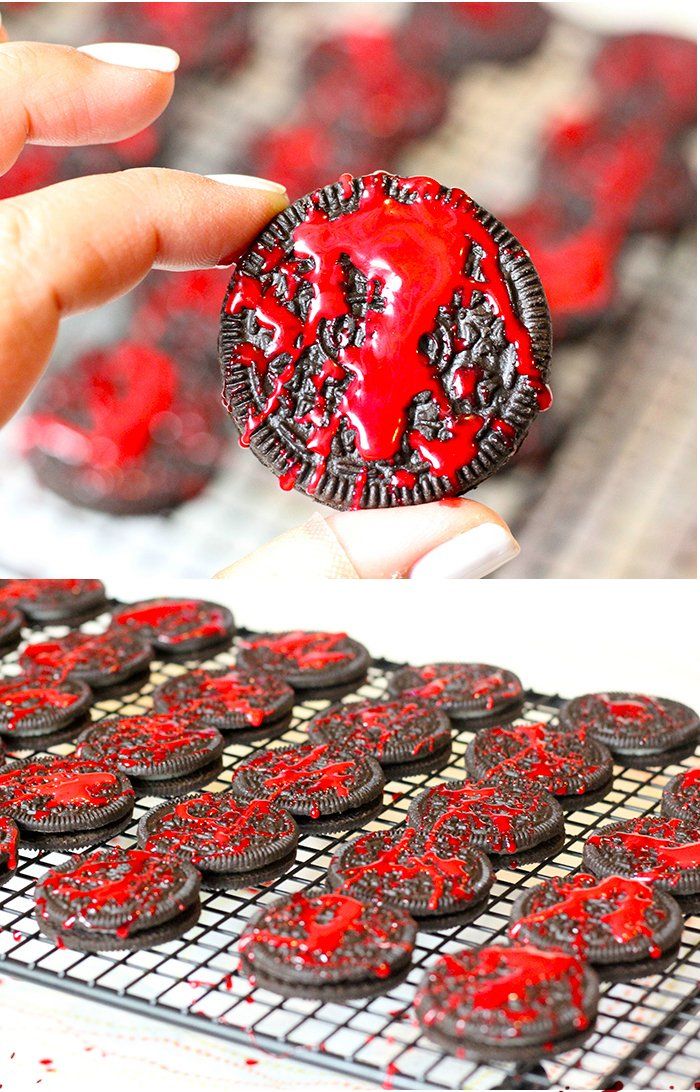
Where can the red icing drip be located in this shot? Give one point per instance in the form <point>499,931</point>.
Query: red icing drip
<point>176,620</point>
<point>308,772</point>
<point>236,693</point>
<point>382,239</point>
<point>673,856</point>
<point>125,389</point>
<point>21,700</point>
<point>9,842</point>
<point>480,808</point>
<point>214,825</point>
<point>151,739</point>
<point>60,784</point>
<point>626,921</point>
<point>373,727</point>
<point>536,756</point>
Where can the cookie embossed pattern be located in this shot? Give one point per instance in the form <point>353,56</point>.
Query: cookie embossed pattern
<point>195,979</point>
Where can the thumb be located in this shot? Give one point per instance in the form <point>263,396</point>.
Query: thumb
<point>449,539</point>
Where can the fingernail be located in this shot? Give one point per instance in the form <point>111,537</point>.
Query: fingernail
<point>247,182</point>
<point>134,55</point>
<point>471,555</point>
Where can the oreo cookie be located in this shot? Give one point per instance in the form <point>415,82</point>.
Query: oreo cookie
<point>232,845</point>
<point>498,1003</point>
<point>421,871</point>
<point>500,819</point>
<point>324,788</point>
<point>158,751</point>
<point>568,764</point>
<point>11,622</point>
<point>463,691</point>
<point>115,899</point>
<point>327,945</point>
<point>620,925</point>
<point>125,430</point>
<point>51,796</point>
<point>9,844</point>
<point>657,850</point>
<point>230,700</point>
<point>215,37</point>
<point>384,342</point>
<point>100,660</point>
<point>632,724</point>
<point>307,661</point>
<point>54,601</point>
<point>178,626</point>
<point>681,797</point>
<point>402,735</point>
<point>37,708</point>
<point>651,75</point>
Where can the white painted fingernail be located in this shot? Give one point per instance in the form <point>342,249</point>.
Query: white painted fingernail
<point>247,182</point>
<point>134,55</point>
<point>471,555</point>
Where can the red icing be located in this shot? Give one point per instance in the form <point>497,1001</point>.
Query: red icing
<point>108,653</point>
<point>655,848</point>
<point>577,898</point>
<point>21,699</point>
<point>147,740</point>
<point>445,684</point>
<point>479,808</point>
<point>234,692</point>
<point>382,239</point>
<point>373,726</point>
<point>124,390</point>
<point>63,591</point>
<point>308,772</point>
<point>690,779</point>
<point>556,759</point>
<point>213,825</point>
<point>307,651</point>
<point>176,620</point>
<point>9,842</point>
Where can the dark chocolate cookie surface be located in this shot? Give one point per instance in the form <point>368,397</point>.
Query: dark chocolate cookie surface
<point>399,732</point>
<point>385,341</point>
<point>11,622</point>
<point>608,921</point>
<point>507,1003</point>
<point>566,764</point>
<point>100,660</point>
<point>306,660</point>
<point>651,848</point>
<point>634,724</point>
<point>9,844</point>
<point>317,783</point>
<point>153,747</point>
<point>225,840</point>
<point>423,872</point>
<point>498,818</point>
<point>113,898</point>
<point>327,945</point>
<point>36,707</point>
<point>177,625</point>
<point>460,690</point>
<point>58,795</point>
<point>681,797</point>
<point>54,600</point>
<point>228,699</point>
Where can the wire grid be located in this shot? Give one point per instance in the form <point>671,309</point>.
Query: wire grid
<point>645,530</point>
<point>646,1032</point>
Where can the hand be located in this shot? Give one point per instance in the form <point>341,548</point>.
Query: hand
<point>80,243</point>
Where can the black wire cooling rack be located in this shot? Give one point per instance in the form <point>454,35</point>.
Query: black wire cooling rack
<point>647,1034</point>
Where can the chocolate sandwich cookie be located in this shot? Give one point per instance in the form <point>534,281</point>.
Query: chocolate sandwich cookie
<point>207,37</point>
<point>9,845</point>
<point>652,75</point>
<point>324,787</point>
<point>327,945</point>
<point>117,899</point>
<point>454,35</point>
<point>230,700</point>
<point>37,708</point>
<point>501,819</point>
<point>384,342</point>
<point>100,660</point>
<point>632,724</point>
<point>652,848</point>
<point>307,661</point>
<point>232,844</point>
<point>500,1003</point>
<point>620,925</point>
<point>11,622</point>
<point>166,753</point>
<point>681,797</point>
<point>51,601</point>
<point>52,796</point>
<point>421,871</point>
<point>126,430</point>
<point>568,764</point>
<point>178,626</point>
<point>403,735</point>
<point>460,690</point>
